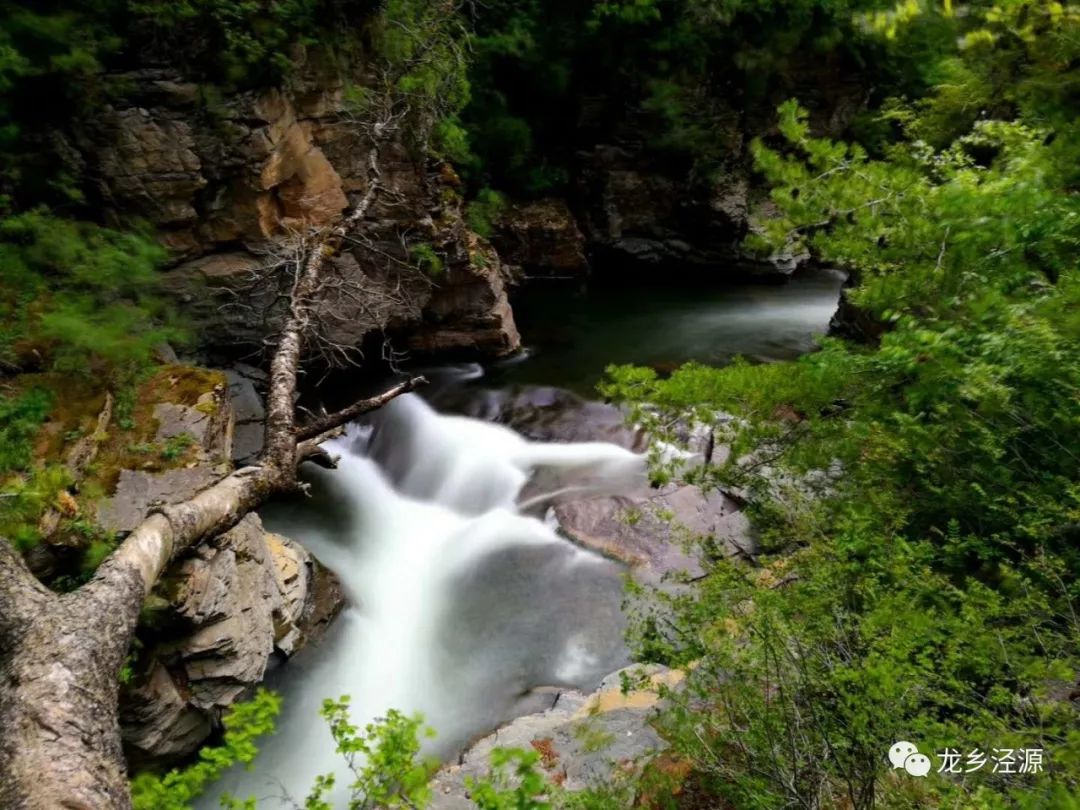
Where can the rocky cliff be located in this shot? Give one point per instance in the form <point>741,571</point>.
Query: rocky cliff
<point>224,180</point>
<point>225,610</point>
<point>646,204</point>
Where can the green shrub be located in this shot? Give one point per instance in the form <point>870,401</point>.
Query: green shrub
<point>483,212</point>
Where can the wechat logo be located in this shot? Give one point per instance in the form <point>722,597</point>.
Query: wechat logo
<point>905,755</point>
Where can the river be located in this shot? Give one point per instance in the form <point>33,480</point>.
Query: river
<point>459,603</point>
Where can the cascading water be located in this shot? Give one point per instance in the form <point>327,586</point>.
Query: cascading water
<point>459,603</point>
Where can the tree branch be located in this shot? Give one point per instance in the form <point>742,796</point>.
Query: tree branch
<point>359,408</point>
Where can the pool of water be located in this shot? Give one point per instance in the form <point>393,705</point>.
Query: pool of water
<point>572,336</point>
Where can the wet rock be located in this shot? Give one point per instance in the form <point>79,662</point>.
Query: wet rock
<point>658,533</point>
<point>543,239</point>
<point>547,414</point>
<point>583,740</point>
<point>231,604</point>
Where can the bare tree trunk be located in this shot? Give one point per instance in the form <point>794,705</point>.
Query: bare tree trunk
<point>61,654</point>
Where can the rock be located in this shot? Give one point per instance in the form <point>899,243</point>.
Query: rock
<point>582,739</point>
<point>293,573</point>
<point>468,312</point>
<point>155,717</point>
<point>232,603</point>
<point>208,425</point>
<point>543,239</point>
<point>655,532</point>
<point>137,492</point>
<point>181,420</point>
<point>547,414</point>
<point>248,416</point>
<point>246,403</point>
<point>247,443</point>
<point>224,184</point>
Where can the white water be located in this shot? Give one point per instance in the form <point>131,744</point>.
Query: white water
<point>459,604</point>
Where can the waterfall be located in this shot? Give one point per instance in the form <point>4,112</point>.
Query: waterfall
<point>459,602</point>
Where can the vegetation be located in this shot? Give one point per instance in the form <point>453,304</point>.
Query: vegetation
<point>177,789</point>
<point>384,760</point>
<point>915,492</point>
<point>917,495</point>
<point>554,76</point>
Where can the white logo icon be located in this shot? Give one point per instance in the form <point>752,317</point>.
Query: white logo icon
<point>905,755</point>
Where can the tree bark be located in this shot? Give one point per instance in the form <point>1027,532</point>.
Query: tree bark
<point>61,654</point>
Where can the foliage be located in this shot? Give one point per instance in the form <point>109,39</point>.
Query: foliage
<point>515,783</point>
<point>427,259</point>
<point>917,495</point>
<point>422,83</point>
<point>25,490</point>
<point>384,761</point>
<point>239,40</point>
<point>79,294</point>
<point>177,789</point>
<point>550,77</point>
<point>20,419</point>
<point>483,212</point>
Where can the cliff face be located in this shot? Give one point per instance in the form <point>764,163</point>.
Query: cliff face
<point>647,209</point>
<point>223,180</point>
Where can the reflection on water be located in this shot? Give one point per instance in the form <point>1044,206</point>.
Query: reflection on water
<point>572,337</point>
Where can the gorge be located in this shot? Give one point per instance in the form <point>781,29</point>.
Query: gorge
<point>461,601</point>
<point>670,403</point>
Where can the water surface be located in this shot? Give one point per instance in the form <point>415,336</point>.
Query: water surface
<point>572,336</point>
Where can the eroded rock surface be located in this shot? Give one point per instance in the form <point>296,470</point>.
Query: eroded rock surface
<point>226,608</point>
<point>226,187</point>
<point>542,238</point>
<point>583,740</point>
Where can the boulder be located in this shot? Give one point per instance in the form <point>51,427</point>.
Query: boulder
<point>583,740</point>
<point>542,238</point>
<point>545,414</point>
<point>230,605</point>
<point>659,533</point>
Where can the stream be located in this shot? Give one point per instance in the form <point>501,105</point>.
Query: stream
<point>460,604</point>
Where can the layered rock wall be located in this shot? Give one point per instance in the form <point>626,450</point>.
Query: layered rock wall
<point>225,181</point>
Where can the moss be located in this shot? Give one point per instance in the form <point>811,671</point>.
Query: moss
<point>137,448</point>
<point>129,442</point>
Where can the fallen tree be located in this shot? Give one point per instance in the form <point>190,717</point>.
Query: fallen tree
<point>61,654</point>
